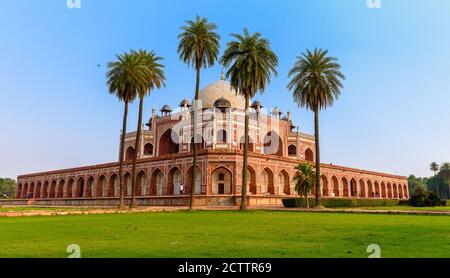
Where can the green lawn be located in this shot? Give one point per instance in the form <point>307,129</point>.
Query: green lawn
<point>447,208</point>
<point>226,234</point>
<point>24,209</point>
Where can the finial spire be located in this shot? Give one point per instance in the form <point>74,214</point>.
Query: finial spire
<point>222,75</point>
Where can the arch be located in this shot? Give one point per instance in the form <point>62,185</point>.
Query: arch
<point>53,190</point>
<point>25,191</point>
<point>113,186</point>
<point>90,187</point>
<point>377,190</point>
<point>353,188</point>
<point>175,181</point>
<point>335,186</point>
<point>362,188</point>
<point>37,190</point>
<point>266,186</point>
<point>324,183</point>
<point>166,143</point>
<point>127,182</point>
<point>148,149</point>
<point>405,192</point>
<point>79,191</point>
<point>129,154</point>
<point>400,192</point>
<point>273,143</point>
<point>222,136</point>
<point>345,189</point>
<point>283,183</point>
<point>389,190</point>
<point>370,191</point>
<point>31,190</point>
<point>221,181</point>
<point>157,183</point>
<point>19,191</point>
<point>45,190</point>
<point>60,191</point>
<point>99,189</point>
<point>383,190</point>
<point>197,181</point>
<point>251,180</point>
<point>292,150</point>
<point>141,184</point>
<point>251,143</point>
<point>395,192</point>
<point>309,155</point>
<point>69,189</point>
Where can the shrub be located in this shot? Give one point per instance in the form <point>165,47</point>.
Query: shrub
<point>423,198</point>
<point>432,199</point>
<point>341,202</point>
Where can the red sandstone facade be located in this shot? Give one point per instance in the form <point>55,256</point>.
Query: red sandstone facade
<point>165,162</point>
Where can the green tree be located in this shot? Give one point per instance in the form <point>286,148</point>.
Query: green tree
<point>445,171</point>
<point>7,188</point>
<point>316,84</point>
<point>199,45</point>
<point>435,168</point>
<point>414,182</point>
<point>155,79</point>
<point>125,78</point>
<point>305,180</point>
<point>251,63</point>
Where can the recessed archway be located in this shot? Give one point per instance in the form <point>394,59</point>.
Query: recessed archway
<point>157,183</point>
<point>353,188</point>
<point>141,184</point>
<point>362,188</point>
<point>148,149</point>
<point>370,190</point>
<point>222,136</point>
<point>69,189</point>
<point>167,144</point>
<point>31,190</point>
<point>99,191</point>
<point>38,189</point>
<point>389,190</point>
<point>127,184</point>
<point>79,192</point>
<point>377,190</point>
<point>335,186</point>
<point>251,144</point>
<point>52,190</point>
<point>175,181</point>
<point>266,186</point>
<point>325,190</point>
<point>273,144</point>
<point>198,179</point>
<point>221,181</point>
<point>251,180</point>
<point>283,183</point>
<point>309,155</point>
<point>292,150</point>
<point>60,192</point>
<point>45,190</point>
<point>400,192</point>
<point>395,192</point>
<point>383,190</point>
<point>113,188</point>
<point>345,189</point>
<point>129,154</point>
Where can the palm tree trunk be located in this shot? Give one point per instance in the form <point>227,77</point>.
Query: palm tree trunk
<point>121,154</point>
<point>136,152</point>
<point>245,161</point>
<point>316,136</point>
<point>306,198</point>
<point>194,146</point>
<point>436,184</point>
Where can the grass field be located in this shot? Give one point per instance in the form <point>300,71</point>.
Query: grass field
<point>226,234</point>
<point>405,208</point>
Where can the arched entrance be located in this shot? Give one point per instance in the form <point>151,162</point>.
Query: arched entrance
<point>389,190</point>
<point>292,150</point>
<point>175,181</point>
<point>157,183</point>
<point>283,183</point>
<point>141,184</point>
<point>127,184</point>
<point>99,191</point>
<point>362,188</point>
<point>266,186</point>
<point>69,189</point>
<point>346,191</point>
<point>251,180</point>
<point>80,188</point>
<point>113,188</point>
<point>335,186</point>
<point>309,155</point>
<point>221,181</point>
<point>325,190</point>
<point>60,192</point>
<point>383,190</point>
<point>90,187</point>
<point>167,144</point>
<point>45,190</point>
<point>353,188</point>
<point>38,190</point>
<point>198,179</point>
<point>377,190</point>
<point>370,191</point>
<point>53,190</point>
<point>129,154</point>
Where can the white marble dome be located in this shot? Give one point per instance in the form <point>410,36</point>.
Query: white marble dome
<point>221,89</point>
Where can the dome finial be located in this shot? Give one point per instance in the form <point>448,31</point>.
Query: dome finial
<point>222,75</point>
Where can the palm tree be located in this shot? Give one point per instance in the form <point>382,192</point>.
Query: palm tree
<point>251,63</point>
<point>198,47</point>
<point>155,79</point>
<point>445,170</point>
<point>435,167</point>
<point>125,77</point>
<point>305,180</point>
<point>316,84</point>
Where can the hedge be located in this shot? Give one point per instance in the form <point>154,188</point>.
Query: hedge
<point>340,202</point>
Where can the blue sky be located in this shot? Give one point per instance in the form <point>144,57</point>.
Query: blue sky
<point>393,114</point>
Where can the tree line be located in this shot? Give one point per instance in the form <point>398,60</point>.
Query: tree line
<point>439,183</point>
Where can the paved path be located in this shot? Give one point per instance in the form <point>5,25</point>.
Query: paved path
<point>87,211</point>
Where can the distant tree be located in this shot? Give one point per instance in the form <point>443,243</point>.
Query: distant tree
<point>414,182</point>
<point>7,188</point>
<point>435,168</point>
<point>304,180</point>
<point>445,171</point>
